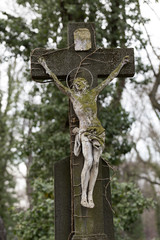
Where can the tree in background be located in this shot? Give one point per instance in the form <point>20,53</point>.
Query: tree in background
<point>44,134</point>
<point>9,102</point>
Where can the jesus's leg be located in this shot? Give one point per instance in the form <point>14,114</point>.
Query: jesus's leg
<point>93,175</point>
<point>85,175</point>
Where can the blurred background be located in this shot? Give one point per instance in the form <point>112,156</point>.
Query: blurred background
<point>34,131</point>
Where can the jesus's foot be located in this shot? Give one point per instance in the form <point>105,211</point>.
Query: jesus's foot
<point>91,204</point>
<point>84,203</point>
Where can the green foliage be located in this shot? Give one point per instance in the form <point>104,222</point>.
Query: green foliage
<point>137,230</point>
<point>49,134</point>
<point>14,33</point>
<point>128,203</point>
<point>117,124</point>
<point>38,222</point>
<point>8,126</point>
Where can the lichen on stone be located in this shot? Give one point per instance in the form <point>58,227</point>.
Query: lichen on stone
<point>88,104</point>
<point>82,39</point>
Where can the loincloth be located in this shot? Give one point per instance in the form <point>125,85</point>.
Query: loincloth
<point>96,137</point>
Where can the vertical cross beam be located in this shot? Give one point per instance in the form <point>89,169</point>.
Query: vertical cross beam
<point>96,223</point>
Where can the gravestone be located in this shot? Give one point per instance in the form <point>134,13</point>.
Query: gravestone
<point>72,221</point>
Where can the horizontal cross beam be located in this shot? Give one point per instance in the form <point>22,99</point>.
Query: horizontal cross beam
<point>100,62</point>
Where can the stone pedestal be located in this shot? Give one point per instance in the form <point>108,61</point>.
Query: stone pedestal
<point>88,224</point>
<point>91,237</point>
<point>62,189</point>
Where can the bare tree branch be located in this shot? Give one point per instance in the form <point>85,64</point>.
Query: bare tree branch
<point>153,93</point>
<point>145,178</point>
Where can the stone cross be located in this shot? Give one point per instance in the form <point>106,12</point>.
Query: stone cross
<point>81,57</point>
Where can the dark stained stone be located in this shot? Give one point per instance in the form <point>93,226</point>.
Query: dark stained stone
<point>101,62</point>
<point>62,188</point>
<point>96,223</point>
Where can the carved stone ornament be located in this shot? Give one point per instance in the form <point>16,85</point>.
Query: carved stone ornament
<point>82,39</point>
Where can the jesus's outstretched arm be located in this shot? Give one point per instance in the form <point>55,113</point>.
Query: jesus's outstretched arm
<point>113,74</point>
<point>61,87</point>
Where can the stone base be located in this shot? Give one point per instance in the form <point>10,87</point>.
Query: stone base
<point>96,223</point>
<point>62,190</point>
<point>90,237</point>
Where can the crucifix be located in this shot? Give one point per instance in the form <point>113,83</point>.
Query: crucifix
<point>82,200</point>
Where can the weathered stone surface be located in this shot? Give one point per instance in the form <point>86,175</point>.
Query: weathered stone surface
<point>72,27</point>
<point>100,63</point>
<point>82,39</point>
<point>99,223</point>
<point>96,222</point>
<point>62,188</point>
<point>91,237</point>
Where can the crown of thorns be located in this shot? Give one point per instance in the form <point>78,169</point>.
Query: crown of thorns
<point>77,72</point>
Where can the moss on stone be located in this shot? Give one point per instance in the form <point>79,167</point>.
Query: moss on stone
<point>89,106</point>
<point>82,82</point>
<point>82,39</point>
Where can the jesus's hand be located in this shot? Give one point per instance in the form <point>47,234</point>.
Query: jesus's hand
<point>125,60</point>
<point>42,61</point>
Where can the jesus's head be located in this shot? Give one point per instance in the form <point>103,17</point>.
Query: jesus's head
<point>80,84</point>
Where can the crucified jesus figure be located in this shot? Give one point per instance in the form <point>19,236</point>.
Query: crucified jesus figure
<point>90,136</point>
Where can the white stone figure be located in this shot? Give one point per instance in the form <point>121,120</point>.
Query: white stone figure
<point>90,136</point>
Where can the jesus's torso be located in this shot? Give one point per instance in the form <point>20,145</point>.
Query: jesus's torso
<point>85,107</point>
